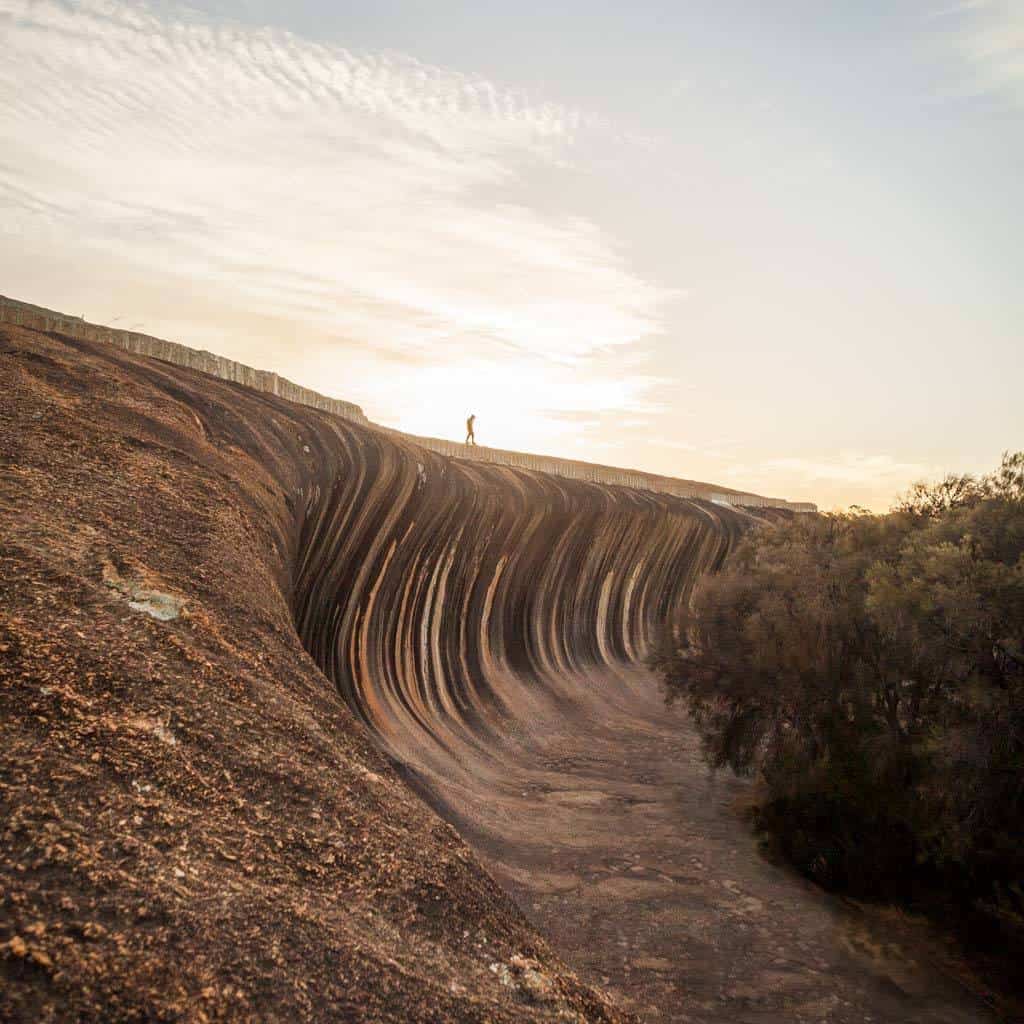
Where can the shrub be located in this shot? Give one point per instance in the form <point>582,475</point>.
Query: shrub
<point>871,670</point>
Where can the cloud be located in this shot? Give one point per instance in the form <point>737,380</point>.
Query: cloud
<point>987,37</point>
<point>378,204</point>
<point>845,467</point>
<point>683,446</point>
<point>831,480</point>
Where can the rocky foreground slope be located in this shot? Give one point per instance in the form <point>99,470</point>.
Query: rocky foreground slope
<point>218,608</point>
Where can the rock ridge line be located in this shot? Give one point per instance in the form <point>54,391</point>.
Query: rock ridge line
<point>24,314</point>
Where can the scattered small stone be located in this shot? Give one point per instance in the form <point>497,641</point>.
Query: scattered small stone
<point>163,607</point>
<point>156,603</point>
<point>41,958</point>
<point>527,977</point>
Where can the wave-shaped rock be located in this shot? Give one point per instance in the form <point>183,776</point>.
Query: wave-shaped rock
<point>238,633</point>
<point>420,579</point>
<point>435,592</point>
<point>194,823</point>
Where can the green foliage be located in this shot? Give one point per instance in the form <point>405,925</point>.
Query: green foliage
<point>871,670</point>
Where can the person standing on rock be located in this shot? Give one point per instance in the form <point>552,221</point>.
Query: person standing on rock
<point>470,436</point>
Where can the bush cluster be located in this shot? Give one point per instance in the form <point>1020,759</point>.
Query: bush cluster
<point>870,669</point>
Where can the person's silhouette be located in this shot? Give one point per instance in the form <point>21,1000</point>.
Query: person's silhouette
<point>470,436</point>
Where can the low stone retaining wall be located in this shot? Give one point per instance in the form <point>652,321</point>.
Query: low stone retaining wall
<point>40,319</point>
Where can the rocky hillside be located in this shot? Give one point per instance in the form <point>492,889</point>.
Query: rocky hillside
<point>233,630</point>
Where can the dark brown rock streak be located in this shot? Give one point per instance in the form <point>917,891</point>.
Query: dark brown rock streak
<point>425,586</point>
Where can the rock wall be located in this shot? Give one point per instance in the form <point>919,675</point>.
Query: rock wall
<point>23,314</point>
<point>195,826</point>
<point>444,596</point>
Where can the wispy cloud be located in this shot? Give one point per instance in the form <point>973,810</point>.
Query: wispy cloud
<point>987,37</point>
<point>373,201</point>
<point>832,480</point>
<point>845,467</point>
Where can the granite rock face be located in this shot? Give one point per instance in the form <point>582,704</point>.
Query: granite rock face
<point>282,694</point>
<point>202,820</point>
<point>444,598</point>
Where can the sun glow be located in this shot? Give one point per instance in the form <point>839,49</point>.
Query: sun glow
<point>527,405</point>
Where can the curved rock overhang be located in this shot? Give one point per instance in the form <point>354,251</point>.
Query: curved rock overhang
<point>183,789</point>
<point>419,578</point>
<point>444,598</point>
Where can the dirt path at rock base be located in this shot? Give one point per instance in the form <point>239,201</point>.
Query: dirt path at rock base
<point>632,858</point>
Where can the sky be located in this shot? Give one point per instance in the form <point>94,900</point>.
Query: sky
<point>779,247</point>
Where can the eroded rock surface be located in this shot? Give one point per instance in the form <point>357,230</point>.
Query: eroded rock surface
<point>193,824</point>
<point>210,814</point>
